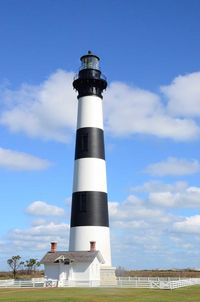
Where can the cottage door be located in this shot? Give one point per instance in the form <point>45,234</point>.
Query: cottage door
<point>66,272</point>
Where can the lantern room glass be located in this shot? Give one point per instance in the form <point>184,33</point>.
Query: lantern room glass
<point>90,62</point>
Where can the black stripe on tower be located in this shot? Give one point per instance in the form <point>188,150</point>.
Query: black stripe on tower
<point>89,143</point>
<point>89,208</point>
<point>90,82</point>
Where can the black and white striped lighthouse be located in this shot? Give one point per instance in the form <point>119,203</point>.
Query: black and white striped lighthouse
<point>89,213</point>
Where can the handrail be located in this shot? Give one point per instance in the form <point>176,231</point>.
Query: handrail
<point>102,77</point>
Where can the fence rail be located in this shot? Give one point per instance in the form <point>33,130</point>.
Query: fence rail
<point>21,283</point>
<point>121,282</point>
<point>156,282</point>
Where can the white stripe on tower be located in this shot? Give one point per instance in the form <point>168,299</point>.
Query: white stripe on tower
<point>90,175</point>
<point>89,216</point>
<point>90,112</point>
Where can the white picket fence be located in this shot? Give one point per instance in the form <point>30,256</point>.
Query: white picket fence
<point>156,282</point>
<point>122,282</point>
<point>22,283</point>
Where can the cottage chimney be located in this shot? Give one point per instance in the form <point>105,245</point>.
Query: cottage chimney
<point>92,246</point>
<point>53,247</point>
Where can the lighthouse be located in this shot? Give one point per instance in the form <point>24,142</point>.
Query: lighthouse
<point>88,260</point>
<point>89,213</point>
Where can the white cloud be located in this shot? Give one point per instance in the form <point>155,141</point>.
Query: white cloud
<point>188,199</point>
<point>158,186</point>
<point>142,112</point>
<point>48,111</point>
<point>39,237</point>
<point>184,95</point>
<point>139,228</point>
<point>151,237</point>
<point>174,195</point>
<point>41,208</point>
<point>178,195</point>
<point>34,241</point>
<point>39,221</point>
<point>188,225</point>
<point>134,212</point>
<point>173,166</point>
<point>162,198</point>
<point>21,161</point>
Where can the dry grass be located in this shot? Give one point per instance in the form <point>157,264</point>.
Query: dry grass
<point>132,273</point>
<point>21,275</point>
<point>164,273</point>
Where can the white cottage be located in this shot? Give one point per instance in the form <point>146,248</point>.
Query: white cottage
<point>77,267</point>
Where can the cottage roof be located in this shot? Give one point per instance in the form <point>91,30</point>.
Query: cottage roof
<point>77,256</point>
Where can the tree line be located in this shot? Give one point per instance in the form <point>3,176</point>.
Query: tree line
<point>16,264</point>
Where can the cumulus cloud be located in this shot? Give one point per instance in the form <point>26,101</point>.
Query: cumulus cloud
<point>163,198</point>
<point>184,95</point>
<point>138,228</point>
<point>41,208</point>
<point>174,166</point>
<point>39,237</point>
<point>134,213</point>
<point>151,236</point>
<point>48,110</point>
<point>188,198</point>
<point>159,186</point>
<point>21,161</point>
<point>142,112</point>
<point>174,195</point>
<point>188,225</point>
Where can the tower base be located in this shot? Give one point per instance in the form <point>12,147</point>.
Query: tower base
<point>107,276</point>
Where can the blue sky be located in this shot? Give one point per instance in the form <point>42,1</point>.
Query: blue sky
<point>149,52</point>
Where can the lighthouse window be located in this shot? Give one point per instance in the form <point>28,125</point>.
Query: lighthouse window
<point>82,203</point>
<point>84,142</point>
<point>90,62</point>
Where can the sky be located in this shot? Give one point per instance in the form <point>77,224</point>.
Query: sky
<point>149,52</point>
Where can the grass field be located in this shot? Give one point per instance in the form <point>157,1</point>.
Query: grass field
<point>185,294</point>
